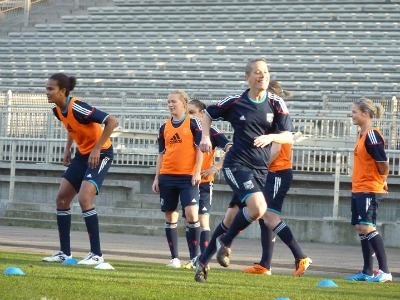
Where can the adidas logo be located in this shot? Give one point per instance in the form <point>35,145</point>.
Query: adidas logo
<point>69,128</point>
<point>194,200</point>
<point>89,176</point>
<point>175,139</point>
<point>243,118</point>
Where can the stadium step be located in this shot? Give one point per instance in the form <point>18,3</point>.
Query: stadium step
<point>135,212</point>
<point>127,219</point>
<point>146,201</point>
<point>80,226</point>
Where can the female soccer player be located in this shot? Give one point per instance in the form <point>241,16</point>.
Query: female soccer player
<point>178,172</point>
<point>86,171</point>
<point>279,179</point>
<point>208,169</point>
<point>257,120</point>
<point>369,183</point>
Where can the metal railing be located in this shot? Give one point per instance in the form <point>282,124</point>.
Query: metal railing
<point>11,7</point>
<point>305,159</point>
<point>36,121</point>
<point>28,120</point>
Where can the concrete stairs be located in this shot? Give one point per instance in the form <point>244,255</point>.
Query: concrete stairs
<point>128,206</point>
<point>140,216</point>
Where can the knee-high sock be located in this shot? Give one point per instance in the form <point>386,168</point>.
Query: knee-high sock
<point>171,232</point>
<point>267,243</point>
<point>194,237</point>
<point>204,240</point>
<point>92,226</point>
<point>367,252</point>
<point>212,247</point>
<point>241,221</point>
<point>64,230</point>
<point>188,240</point>
<point>378,246</point>
<point>285,234</point>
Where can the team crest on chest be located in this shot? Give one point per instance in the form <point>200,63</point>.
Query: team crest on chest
<point>270,117</point>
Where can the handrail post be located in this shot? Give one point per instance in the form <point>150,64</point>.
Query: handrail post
<point>27,11</point>
<point>336,192</point>
<point>393,129</point>
<point>13,153</point>
<point>9,112</point>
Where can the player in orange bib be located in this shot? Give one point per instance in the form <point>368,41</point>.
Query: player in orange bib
<point>178,172</point>
<point>87,170</point>
<point>208,169</point>
<point>370,172</point>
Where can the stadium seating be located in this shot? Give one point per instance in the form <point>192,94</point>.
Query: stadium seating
<point>146,48</point>
<point>313,49</point>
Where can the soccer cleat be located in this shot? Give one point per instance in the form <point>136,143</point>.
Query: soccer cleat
<point>360,276</point>
<point>91,259</point>
<point>223,253</point>
<point>257,269</point>
<point>201,273</point>
<point>174,263</point>
<point>57,257</point>
<point>301,266</point>
<point>381,277</point>
<point>191,264</point>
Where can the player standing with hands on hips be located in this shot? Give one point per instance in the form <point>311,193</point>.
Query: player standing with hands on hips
<point>87,170</point>
<point>257,120</point>
<point>370,172</point>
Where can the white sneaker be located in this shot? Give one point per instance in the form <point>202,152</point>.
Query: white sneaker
<point>57,257</point>
<point>174,263</point>
<point>91,259</point>
<point>381,276</point>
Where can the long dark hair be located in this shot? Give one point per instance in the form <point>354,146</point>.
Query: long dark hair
<point>64,82</point>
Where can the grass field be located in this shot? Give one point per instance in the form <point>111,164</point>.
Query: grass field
<point>132,280</point>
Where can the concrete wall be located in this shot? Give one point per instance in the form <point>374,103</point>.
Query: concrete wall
<point>127,204</point>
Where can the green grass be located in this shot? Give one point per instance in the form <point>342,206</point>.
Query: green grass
<point>132,280</point>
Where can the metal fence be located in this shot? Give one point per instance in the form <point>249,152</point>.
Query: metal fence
<point>305,159</point>
<point>27,120</point>
<point>16,7</point>
<point>34,121</point>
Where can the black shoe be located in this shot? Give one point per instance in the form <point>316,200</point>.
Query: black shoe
<point>223,253</point>
<point>201,273</point>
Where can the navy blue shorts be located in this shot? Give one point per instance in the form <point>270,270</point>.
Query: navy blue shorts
<point>205,201</point>
<point>78,170</point>
<point>175,188</point>
<point>235,201</point>
<point>364,207</point>
<point>243,180</point>
<point>206,190</point>
<point>276,188</point>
